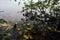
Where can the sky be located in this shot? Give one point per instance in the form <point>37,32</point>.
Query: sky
<point>9,10</point>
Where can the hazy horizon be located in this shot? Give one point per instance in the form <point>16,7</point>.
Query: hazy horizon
<point>9,10</point>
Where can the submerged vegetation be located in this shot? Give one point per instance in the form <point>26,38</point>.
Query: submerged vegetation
<point>41,22</point>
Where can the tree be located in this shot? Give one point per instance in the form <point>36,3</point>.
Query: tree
<point>32,10</point>
<point>41,20</point>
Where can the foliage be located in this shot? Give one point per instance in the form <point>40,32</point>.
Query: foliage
<point>38,23</point>
<point>41,19</point>
<point>3,21</point>
<point>32,10</point>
